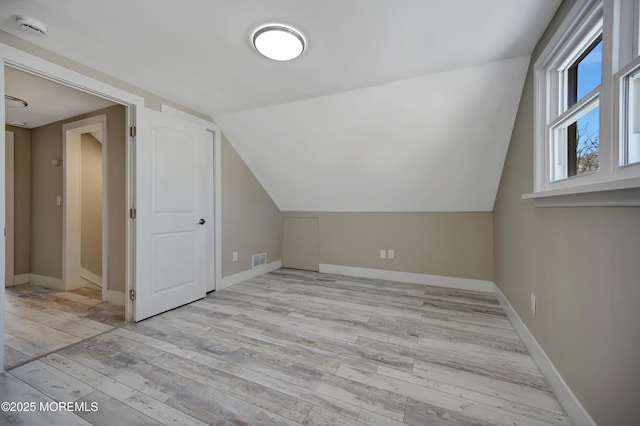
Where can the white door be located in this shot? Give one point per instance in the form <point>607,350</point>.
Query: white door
<point>171,224</point>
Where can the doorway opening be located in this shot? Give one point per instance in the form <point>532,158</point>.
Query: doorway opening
<point>67,264</point>
<point>85,209</point>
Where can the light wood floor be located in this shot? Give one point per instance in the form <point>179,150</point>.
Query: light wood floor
<point>296,347</point>
<point>39,320</point>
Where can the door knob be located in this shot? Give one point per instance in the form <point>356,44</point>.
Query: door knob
<point>202,222</point>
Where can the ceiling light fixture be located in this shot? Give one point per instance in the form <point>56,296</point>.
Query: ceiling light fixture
<point>278,42</point>
<point>16,123</point>
<point>11,102</point>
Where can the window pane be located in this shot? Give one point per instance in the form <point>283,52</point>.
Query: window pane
<point>576,143</point>
<point>588,142</point>
<point>585,74</point>
<point>632,141</point>
<point>590,71</point>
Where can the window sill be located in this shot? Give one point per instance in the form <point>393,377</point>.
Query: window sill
<point>617,193</point>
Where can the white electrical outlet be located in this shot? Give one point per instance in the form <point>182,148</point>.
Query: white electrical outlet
<point>392,254</point>
<point>235,256</point>
<point>533,303</point>
<point>383,254</point>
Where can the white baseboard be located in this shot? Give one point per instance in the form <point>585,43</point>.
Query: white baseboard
<point>410,277</point>
<point>115,297</point>
<point>561,390</point>
<point>20,279</point>
<point>49,282</point>
<point>248,274</point>
<point>91,277</point>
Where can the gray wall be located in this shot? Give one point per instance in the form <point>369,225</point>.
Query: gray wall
<point>46,218</point>
<point>250,219</point>
<point>583,264</point>
<point>449,244</point>
<point>22,199</point>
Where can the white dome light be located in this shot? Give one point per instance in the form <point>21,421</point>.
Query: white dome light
<point>278,42</point>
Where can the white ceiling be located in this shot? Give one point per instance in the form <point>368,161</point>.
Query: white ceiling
<point>432,143</point>
<point>48,102</point>
<point>336,128</point>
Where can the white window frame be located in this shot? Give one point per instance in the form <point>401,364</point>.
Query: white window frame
<point>614,183</point>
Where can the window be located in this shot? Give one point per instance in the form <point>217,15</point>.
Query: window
<point>631,143</point>
<point>576,136</point>
<point>587,101</point>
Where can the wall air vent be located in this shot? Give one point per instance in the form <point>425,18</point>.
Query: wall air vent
<point>31,25</point>
<point>258,259</point>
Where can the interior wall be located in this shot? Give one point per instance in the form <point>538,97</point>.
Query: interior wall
<point>22,200</point>
<point>250,219</point>
<point>46,217</point>
<point>91,204</point>
<point>582,264</point>
<point>448,244</point>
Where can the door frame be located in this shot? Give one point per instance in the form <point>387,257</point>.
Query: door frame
<point>71,188</point>
<point>21,60</point>
<point>9,230</point>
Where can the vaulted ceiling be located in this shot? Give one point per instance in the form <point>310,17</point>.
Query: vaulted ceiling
<point>395,105</point>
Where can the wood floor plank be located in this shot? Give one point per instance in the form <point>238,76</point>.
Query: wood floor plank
<point>292,347</point>
<point>98,381</point>
<point>160,412</point>
<point>515,393</point>
<point>212,406</point>
<point>452,397</point>
<point>39,320</point>
<point>13,389</point>
<point>113,412</point>
<point>281,385</point>
<point>421,413</point>
<point>51,382</point>
<point>321,417</point>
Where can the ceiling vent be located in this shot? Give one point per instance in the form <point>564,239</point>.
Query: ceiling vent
<point>30,25</point>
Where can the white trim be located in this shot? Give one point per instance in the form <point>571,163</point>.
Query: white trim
<point>2,218</point>
<point>248,274</point>
<point>9,225</point>
<point>91,277</point>
<point>561,390</point>
<point>49,282</point>
<point>115,297</point>
<point>20,279</point>
<point>410,277</point>
<point>71,195</point>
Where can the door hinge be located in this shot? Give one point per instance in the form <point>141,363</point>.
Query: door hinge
<point>132,131</point>
<point>132,294</point>
<point>132,213</point>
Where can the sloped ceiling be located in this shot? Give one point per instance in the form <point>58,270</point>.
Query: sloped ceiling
<point>432,143</point>
<point>395,106</point>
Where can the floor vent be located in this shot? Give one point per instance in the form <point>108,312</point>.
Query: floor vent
<point>258,259</point>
